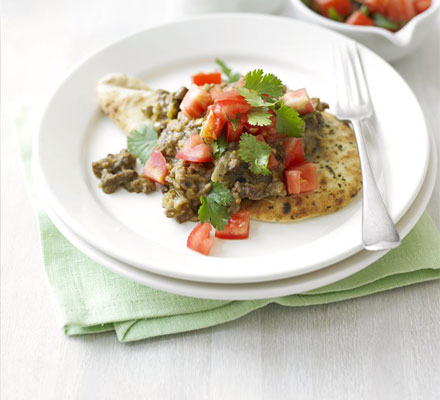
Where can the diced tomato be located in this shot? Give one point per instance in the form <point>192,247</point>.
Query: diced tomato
<point>401,10</point>
<point>293,181</point>
<point>293,152</point>
<point>230,95</point>
<point>156,167</point>
<point>358,18</point>
<point>214,123</point>
<point>299,100</point>
<point>195,150</point>
<point>201,79</point>
<point>232,103</point>
<point>342,7</point>
<point>422,5</point>
<point>308,178</point>
<point>237,228</point>
<point>200,239</point>
<point>233,135</point>
<point>195,102</point>
<point>376,6</point>
<point>261,138</point>
<point>215,92</point>
<point>273,162</point>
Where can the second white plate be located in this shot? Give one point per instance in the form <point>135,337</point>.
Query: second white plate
<point>257,290</point>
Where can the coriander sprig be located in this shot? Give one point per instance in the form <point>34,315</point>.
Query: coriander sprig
<point>262,92</point>
<point>142,142</point>
<point>231,77</point>
<point>214,207</point>
<point>255,153</point>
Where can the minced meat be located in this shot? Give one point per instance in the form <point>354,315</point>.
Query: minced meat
<point>117,170</point>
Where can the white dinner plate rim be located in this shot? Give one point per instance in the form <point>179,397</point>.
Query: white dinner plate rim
<point>178,273</point>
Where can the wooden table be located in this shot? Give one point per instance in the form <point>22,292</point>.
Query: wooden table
<point>384,346</point>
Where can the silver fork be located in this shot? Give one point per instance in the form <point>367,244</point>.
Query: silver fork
<point>353,104</point>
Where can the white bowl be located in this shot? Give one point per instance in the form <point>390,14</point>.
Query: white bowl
<point>391,46</point>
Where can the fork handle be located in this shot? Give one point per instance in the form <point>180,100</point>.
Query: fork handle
<point>378,230</point>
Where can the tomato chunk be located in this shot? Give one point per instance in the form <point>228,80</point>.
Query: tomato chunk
<point>308,179</point>
<point>200,239</point>
<point>299,100</point>
<point>233,135</point>
<point>293,181</point>
<point>156,167</point>
<point>195,150</point>
<point>237,227</point>
<point>376,6</point>
<point>342,7</point>
<point>214,123</point>
<point>195,102</point>
<point>201,79</point>
<point>273,162</point>
<point>215,92</point>
<point>422,5</point>
<point>293,152</point>
<point>232,103</point>
<point>401,10</point>
<point>358,18</point>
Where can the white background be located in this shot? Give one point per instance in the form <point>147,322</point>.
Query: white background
<point>384,346</point>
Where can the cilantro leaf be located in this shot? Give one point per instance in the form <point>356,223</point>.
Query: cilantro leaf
<point>234,122</point>
<point>381,21</point>
<point>255,153</point>
<point>259,116</point>
<point>214,206</point>
<point>334,15</point>
<point>262,83</point>
<point>220,194</point>
<point>289,122</point>
<point>227,71</point>
<point>219,146</point>
<point>364,10</point>
<point>142,142</point>
<point>254,99</point>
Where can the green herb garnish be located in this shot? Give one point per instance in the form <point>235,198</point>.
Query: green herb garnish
<point>142,142</point>
<point>232,77</point>
<point>289,122</point>
<point>263,84</point>
<point>261,91</point>
<point>259,117</point>
<point>234,122</point>
<point>219,146</point>
<point>380,21</point>
<point>214,208</point>
<point>364,10</point>
<point>255,153</point>
<point>334,15</point>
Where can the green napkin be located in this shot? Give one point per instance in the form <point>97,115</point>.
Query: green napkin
<point>92,299</point>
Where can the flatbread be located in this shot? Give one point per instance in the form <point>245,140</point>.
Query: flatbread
<point>122,98</point>
<point>339,177</point>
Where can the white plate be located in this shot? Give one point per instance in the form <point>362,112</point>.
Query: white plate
<point>133,228</point>
<point>258,290</point>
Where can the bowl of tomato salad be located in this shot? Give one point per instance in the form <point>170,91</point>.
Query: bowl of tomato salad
<point>391,28</point>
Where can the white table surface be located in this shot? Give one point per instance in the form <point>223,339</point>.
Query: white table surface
<point>384,346</point>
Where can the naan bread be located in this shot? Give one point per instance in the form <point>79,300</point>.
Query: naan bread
<point>339,177</point>
<point>122,98</point>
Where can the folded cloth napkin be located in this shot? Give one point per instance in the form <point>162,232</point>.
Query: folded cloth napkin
<point>93,299</point>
